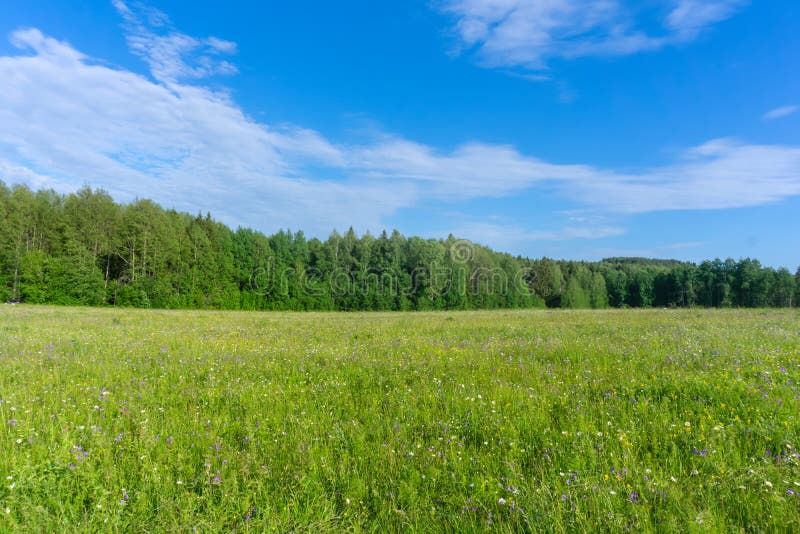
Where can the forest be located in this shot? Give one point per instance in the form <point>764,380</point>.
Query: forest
<point>84,248</point>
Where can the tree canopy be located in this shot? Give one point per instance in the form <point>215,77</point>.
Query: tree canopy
<point>86,249</point>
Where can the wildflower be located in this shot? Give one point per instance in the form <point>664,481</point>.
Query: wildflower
<point>634,497</point>
<point>501,501</point>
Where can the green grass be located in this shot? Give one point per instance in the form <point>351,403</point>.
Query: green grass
<point>122,420</point>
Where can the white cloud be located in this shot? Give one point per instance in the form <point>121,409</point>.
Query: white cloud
<point>220,45</point>
<point>529,33</point>
<point>781,112</point>
<point>690,17</point>
<point>46,47</point>
<point>19,174</point>
<point>70,122</point>
<point>720,174</point>
<point>510,237</point>
<point>171,55</point>
<point>472,170</point>
<point>66,121</point>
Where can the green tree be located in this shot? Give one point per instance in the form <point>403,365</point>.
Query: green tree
<point>641,288</point>
<point>784,288</point>
<point>575,296</point>
<point>598,295</point>
<point>616,287</point>
<point>91,220</point>
<point>547,281</point>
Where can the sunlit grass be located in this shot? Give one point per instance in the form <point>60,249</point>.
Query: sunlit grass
<point>122,420</point>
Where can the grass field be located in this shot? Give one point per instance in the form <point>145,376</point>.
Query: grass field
<point>121,420</point>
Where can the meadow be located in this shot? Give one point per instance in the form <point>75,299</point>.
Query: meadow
<point>555,421</point>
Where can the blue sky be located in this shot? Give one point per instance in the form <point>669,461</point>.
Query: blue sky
<point>569,128</point>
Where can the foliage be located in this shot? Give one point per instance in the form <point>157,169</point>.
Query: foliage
<point>83,248</point>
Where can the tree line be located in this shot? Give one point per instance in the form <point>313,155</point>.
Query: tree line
<point>86,249</point>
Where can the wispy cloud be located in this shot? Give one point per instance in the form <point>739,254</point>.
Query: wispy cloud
<point>780,112</point>
<point>22,174</point>
<point>689,18</point>
<point>720,174</point>
<point>511,237</point>
<point>171,55</point>
<point>473,170</point>
<point>529,33</point>
<point>68,120</point>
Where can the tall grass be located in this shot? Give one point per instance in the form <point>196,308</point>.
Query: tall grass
<point>122,420</point>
